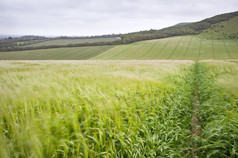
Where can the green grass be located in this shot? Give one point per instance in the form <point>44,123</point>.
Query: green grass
<point>226,74</point>
<point>182,47</point>
<point>116,109</point>
<point>74,53</point>
<point>218,112</point>
<point>95,109</point>
<point>71,41</point>
<point>223,30</point>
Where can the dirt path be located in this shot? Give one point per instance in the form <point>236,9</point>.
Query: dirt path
<point>195,127</point>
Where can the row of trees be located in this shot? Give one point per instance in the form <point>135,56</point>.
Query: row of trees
<point>17,44</point>
<point>60,46</point>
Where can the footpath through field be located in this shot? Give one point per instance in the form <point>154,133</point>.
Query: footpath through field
<point>214,131</point>
<point>195,126</point>
<point>116,109</point>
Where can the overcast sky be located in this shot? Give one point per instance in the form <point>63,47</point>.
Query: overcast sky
<point>95,17</point>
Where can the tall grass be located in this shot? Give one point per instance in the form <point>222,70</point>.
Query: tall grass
<point>95,110</point>
<point>114,109</point>
<point>218,116</point>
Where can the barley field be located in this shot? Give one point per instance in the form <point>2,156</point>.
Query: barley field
<point>117,108</point>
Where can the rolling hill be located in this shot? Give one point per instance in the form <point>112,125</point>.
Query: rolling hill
<point>75,53</point>
<point>186,29</point>
<point>224,30</point>
<point>222,26</point>
<point>212,38</point>
<point>180,47</point>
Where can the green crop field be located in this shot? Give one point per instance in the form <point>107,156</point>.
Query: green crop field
<point>226,74</point>
<point>118,108</point>
<point>173,97</point>
<point>178,48</point>
<point>74,53</point>
<point>182,47</point>
<point>72,41</point>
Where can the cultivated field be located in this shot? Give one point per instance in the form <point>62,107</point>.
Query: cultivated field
<point>118,109</point>
<point>72,41</point>
<point>181,47</point>
<point>226,74</point>
<point>74,53</point>
<point>174,48</point>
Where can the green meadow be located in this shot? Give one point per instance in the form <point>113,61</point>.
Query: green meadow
<point>140,108</point>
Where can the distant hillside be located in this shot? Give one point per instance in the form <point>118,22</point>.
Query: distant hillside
<point>185,29</point>
<point>223,30</point>
<point>66,41</point>
<point>11,41</point>
<point>173,48</point>
<point>41,42</point>
<point>224,26</point>
<point>3,37</point>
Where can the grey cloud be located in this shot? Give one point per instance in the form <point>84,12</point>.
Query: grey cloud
<point>80,17</point>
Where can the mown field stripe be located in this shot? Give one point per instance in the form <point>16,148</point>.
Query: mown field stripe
<point>111,55</point>
<point>186,50</point>
<point>136,50</point>
<point>175,48</point>
<point>146,52</point>
<point>162,49</point>
<point>236,41</point>
<point>213,52</point>
<point>151,48</point>
<point>199,50</point>
<point>63,54</point>
<point>226,49</point>
<point>123,52</point>
<point>98,52</point>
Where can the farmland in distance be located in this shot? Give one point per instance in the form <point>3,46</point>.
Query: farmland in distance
<point>181,47</point>
<point>72,41</point>
<point>74,53</point>
<point>173,48</point>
